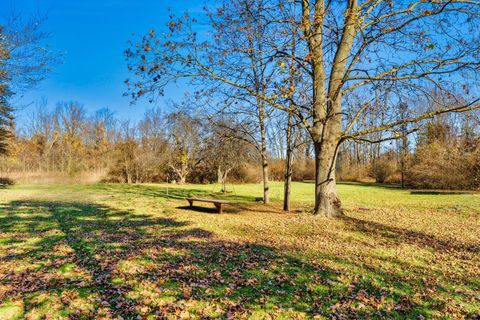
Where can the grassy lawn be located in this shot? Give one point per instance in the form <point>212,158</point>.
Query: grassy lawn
<point>106,251</point>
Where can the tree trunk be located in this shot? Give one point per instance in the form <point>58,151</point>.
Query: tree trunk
<point>224,182</point>
<point>327,202</point>
<point>182,179</point>
<point>266,197</point>
<point>288,166</point>
<point>219,175</point>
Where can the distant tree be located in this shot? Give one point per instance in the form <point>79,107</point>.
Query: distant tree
<point>127,153</point>
<point>42,127</point>
<point>100,132</point>
<point>70,122</point>
<point>224,149</point>
<point>154,145</point>
<point>183,133</point>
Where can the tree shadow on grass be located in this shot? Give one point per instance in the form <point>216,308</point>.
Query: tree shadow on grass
<point>398,235</point>
<point>175,193</point>
<point>60,235</point>
<point>87,260</point>
<point>231,208</point>
<point>372,184</point>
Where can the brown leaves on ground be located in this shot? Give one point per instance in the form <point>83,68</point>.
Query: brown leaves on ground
<point>78,260</point>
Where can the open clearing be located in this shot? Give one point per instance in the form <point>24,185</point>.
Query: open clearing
<point>111,251</point>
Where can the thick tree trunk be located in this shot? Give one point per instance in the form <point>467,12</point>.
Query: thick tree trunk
<point>327,202</point>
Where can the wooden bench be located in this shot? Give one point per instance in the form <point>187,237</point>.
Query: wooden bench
<point>218,203</point>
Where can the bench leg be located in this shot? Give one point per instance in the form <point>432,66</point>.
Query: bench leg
<point>191,203</point>
<point>219,207</point>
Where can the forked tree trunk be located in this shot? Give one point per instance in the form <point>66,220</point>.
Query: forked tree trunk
<point>224,182</point>
<point>182,174</point>
<point>326,130</point>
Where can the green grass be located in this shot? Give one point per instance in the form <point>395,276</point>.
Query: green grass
<point>102,251</point>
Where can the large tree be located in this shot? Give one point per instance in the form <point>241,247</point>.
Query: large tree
<point>404,46</point>
<point>370,49</point>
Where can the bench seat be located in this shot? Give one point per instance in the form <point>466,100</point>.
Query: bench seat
<point>218,203</point>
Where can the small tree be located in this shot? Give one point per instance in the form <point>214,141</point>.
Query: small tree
<point>225,151</point>
<point>185,143</point>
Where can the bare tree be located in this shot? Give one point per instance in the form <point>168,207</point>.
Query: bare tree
<point>238,52</point>
<point>70,121</point>
<point>185,143</point>
<point>225,149</point>
<point>30,59</point>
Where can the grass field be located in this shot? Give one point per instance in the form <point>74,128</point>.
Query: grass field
<point>104,251</point>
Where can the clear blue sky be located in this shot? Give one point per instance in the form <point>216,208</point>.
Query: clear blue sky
<point>93,35</point>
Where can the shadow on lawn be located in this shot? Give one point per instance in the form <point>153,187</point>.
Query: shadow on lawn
<point>176,193</point>
<point>398,235</point>
<point>90,261</point>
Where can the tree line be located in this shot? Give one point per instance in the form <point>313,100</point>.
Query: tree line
<point>179,148</point>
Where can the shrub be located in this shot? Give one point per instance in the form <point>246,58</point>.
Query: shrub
<point>436,166</point>
<point>303,170</point>
<point>5,181</point>
<point>381,170</point>
<point>356,172</point>
<point>276,170</point>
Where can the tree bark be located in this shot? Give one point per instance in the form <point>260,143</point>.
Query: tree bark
<point>263,151</point>
<point>224,182</point>
<point>327,202</point>
<point>288,166</point>
<point>219,175</point>
<point>183,179</point>
<point>266,195</point>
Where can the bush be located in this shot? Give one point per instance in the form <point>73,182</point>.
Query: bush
<point>246,173</point>
<point>303,170</point>
<point>355,172</point>
<point>381,170</point>
<point>436,166</point>
<point>276,169</point>
<point>4,181</point>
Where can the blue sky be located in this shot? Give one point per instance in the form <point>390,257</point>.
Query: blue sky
<point>93,35</point>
